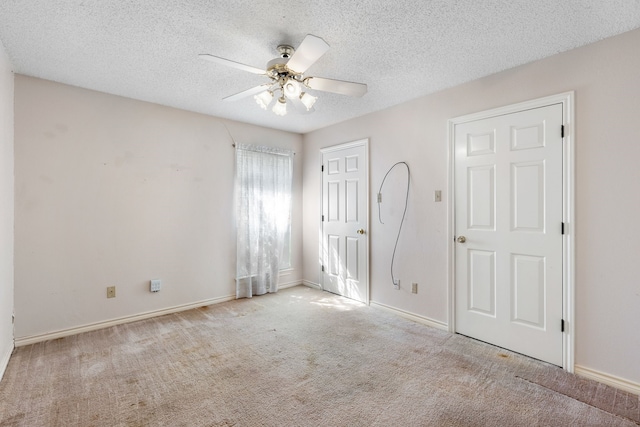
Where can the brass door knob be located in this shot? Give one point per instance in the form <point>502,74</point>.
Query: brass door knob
<point>361,231</point>
<point>462,239</point>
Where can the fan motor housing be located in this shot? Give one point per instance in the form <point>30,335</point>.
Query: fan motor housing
<point>277,68</point>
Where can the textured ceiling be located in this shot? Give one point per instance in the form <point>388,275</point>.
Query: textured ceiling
<point>403,49</point>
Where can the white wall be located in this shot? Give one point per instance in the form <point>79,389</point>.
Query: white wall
<point>112,191</point>
<point>605,79</point>
<point>6,209</point>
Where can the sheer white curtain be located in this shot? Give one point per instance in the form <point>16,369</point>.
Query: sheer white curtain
<point>263,210</point>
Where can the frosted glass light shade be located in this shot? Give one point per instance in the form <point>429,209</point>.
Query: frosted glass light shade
<point>292,89</point>
<point>308,100</point>
<point>264,99</point>
<point>280,107</point>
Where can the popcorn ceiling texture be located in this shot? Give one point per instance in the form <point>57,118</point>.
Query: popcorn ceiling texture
<point>404,49</point>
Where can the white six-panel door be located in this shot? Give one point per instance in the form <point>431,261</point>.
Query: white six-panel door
<point>508,231</point>
<point>344,248</point>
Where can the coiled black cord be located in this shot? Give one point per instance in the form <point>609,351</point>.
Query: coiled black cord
<point>406,201</point>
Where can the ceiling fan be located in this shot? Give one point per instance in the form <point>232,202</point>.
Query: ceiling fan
<point>286,75</point>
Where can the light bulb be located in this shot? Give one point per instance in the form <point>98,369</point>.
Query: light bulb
<point>292,89</point>
<point>280,107</point>
<point>307,100</point>
<point>264,99</point>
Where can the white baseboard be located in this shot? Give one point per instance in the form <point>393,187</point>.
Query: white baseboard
<point>4,361</point>
<point>608,379</point>
<point>311,284</point>
<point>21,341</point>
<point>411,316</point>
<point>289,284</point>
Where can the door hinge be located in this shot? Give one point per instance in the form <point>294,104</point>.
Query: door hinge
<point>323,268</point>
<point>562,131</point>
<point>562,229</point>
<point>561,325</point>
<point>322,218</point>
<point>322,168</point>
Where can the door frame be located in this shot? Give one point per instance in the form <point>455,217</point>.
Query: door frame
<point>568,211</point>
<point>360,142</point>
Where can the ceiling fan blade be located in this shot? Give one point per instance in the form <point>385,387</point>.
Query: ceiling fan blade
<point>231,63</point>
<point>248,92</point>
<point>336,86</point>
<point>309,51</point>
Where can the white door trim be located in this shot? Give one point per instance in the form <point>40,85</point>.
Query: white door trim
<point>568,214</point>
<point>360,142</point>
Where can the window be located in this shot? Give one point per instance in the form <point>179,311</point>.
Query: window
<point>263,217</point>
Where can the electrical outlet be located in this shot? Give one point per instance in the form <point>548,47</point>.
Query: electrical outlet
<point>414,288</point>
<point>111,292</point>
<point>396,284</point>
<point>154,285</point>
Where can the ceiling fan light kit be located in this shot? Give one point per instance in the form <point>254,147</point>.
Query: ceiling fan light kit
<point>308,100</point>
<point>292,89</point>
<point>264,99</point>
<point>280,107</point>
<point>287,76</point>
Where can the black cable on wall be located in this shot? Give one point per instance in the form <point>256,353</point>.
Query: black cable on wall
<point>406,200</point>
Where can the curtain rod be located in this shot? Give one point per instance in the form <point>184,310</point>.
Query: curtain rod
<point>234,146</point>
<point>234,141</point>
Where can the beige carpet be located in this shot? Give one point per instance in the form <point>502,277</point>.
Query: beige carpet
<point>297,358</point>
